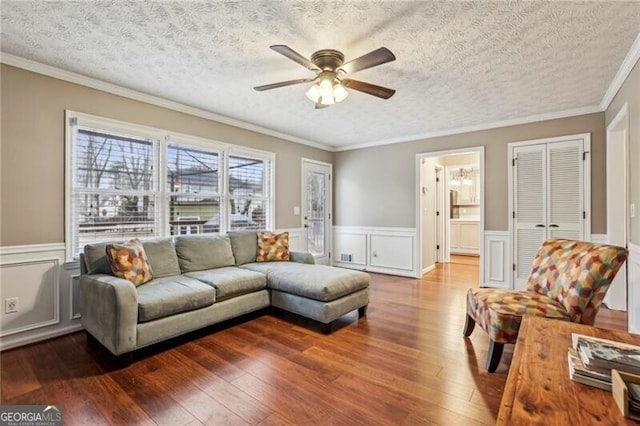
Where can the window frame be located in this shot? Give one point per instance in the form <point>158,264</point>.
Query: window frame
<point>161,140</point>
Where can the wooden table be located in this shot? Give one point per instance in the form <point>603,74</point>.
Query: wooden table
<point>539,390</point>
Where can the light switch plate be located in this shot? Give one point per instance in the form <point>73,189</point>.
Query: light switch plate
<point>296,211</point>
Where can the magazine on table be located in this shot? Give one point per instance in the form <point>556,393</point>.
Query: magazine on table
<point>581,374</point>
<point>603,355</point>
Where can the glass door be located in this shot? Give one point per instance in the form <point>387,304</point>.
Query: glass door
<point>316,206</point>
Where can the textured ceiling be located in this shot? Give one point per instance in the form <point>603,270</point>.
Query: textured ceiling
<point>459,64</point>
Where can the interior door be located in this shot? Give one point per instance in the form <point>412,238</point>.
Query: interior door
<point>530,211</point>
<point>316,209</point>
<point>548,199</point>
<point>565,190</point>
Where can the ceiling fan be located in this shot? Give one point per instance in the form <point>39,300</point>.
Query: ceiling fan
<point>330,69</point>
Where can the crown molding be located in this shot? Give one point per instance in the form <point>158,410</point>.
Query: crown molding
<point>479,127</point>
<point>623,72</point>
<point>72,77</point>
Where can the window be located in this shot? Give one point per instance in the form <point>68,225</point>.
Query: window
<point>249,192</point>
<point>193,182</point>
<point>127,181</point>
<point>113,193</point>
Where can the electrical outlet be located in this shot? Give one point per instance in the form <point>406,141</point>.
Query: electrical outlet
<point>10,305</point>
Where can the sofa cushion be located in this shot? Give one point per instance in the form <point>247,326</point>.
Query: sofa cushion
<point>318,282</point>
<point>231,281</point>
<point>197,253</point>
<point>96,260</point>
<point>272,247</point>
<point>162,257</point>
<point>129,261</point>
<point>575,273</point>
<point>499,312</point>
<point>244,245</point>
<point>167,296</point>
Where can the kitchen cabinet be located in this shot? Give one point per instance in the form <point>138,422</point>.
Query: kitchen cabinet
<point>464,237</point>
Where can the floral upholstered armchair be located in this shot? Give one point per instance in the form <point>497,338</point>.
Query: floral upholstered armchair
<point>568,281</point>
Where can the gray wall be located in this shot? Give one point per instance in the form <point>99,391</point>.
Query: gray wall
<point>377,186</point>
<point>32,150</point>
<point>630,93</point>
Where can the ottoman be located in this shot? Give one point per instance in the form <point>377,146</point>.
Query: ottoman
<point>322,293</point>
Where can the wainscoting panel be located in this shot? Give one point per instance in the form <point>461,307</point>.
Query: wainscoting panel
<point>295,238</point>
<point>496,259</point>
<point>391,251</point>
<point>34,274</point>
<point>634,289</point>
<point>35,288</point>
<point>350,247</point>
<point>74,294</point>
<point>384,250</point>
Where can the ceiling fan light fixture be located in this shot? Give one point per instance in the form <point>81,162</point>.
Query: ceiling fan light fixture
<point>329,67</point>
<point>314,93</point>
<point>327,100</point>
<point>326,87</point>
<point>339,92</point>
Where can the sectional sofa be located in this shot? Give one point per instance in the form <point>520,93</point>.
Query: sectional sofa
<point>203,280</point>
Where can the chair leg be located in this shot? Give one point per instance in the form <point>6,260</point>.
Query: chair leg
<point>469,325</point>
<point>494,355</point>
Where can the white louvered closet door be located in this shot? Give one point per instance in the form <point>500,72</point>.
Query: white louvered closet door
<point>565,190</point>
<point>529,177</point>
<point>548,199</point>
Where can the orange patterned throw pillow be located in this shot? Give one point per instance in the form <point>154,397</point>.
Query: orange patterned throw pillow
<point>272,247</point>
<point>129,261</point>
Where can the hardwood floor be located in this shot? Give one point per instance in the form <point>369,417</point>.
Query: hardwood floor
<point>405,363</point>
<point>464,259</point>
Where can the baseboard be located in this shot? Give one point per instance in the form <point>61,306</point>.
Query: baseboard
<point>17,340</point>
<point>428,269</point>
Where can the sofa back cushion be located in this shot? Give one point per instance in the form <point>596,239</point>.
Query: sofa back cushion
<point>197,253</point>
<point>95,259</point>
<point>162,257</point>
<point>244,245</point>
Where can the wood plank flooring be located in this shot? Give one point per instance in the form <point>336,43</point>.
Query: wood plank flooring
<point>405,363</point>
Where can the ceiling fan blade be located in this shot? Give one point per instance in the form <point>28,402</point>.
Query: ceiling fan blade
<point>377,57</point>
<point>283,84</point>
<point>294,56</point>
<point>368,88</point>
<point>320,106</point>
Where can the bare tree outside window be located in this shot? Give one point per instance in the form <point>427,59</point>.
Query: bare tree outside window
<point>113,190</point>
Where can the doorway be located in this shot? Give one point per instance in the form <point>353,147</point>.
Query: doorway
<point>617,201</point>
<point>316,209</point>
<point>446,224</point>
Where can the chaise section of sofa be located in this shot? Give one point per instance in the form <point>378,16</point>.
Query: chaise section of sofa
<point>203,280</point>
